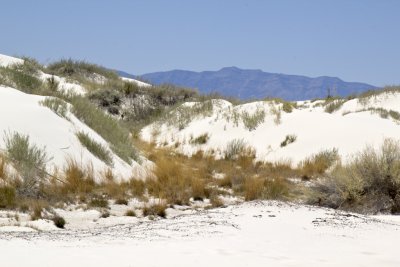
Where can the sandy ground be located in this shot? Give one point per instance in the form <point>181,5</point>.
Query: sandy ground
<point>249,234</point>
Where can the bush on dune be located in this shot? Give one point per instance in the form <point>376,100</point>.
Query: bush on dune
<point>368,183</point>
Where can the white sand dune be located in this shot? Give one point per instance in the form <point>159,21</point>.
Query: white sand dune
<point>22,113</point>
<point>315,129</point>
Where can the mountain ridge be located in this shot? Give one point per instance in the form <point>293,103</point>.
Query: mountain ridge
<point>257,84</point>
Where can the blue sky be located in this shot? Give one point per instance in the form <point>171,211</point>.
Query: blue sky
<point>350,39</point>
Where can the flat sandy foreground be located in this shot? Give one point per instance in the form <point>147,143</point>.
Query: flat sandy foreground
<point>263,233</point>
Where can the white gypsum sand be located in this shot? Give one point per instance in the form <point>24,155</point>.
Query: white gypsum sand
<point>264,233</point>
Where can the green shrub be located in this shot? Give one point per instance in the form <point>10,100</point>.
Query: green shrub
<point>317,164</point>
<point>97,149</point>
<point>79,69</point>
<point>7,196</point>
<point>155,210</point>
<point>106,97</point>
<point>181,116</point>
<point>130,89</point>
<point>130,213</point>
<point>253,188</point>
<point>277,188</point>
<point>370,182</point>
<point>59,221</point>
<point>98,202</point>
<point>52,84</point>
<point>29,160</point>
<point>385,114</point>
<point>201,139</point>
<point>277,113</point>
<point>334,105</point>
<point>57,105</point>
<point>121,201</point>
<point>17,79</point>
<point>252,121</point>
<point>287,107</point>
<point>77,179</point>
<point>30,66</point>
<point>237,148</point>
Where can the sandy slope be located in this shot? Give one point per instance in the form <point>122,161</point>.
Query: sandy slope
<point>141,84</point>
<point>315,129</point>
<point>6,61</point>
<point>249,234</point>
<point>22,113</point>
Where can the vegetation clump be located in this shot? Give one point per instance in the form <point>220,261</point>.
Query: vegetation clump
<point>201,139</point>
<point>155,210</point>
<point>29,160</point>
<point>107,127</point>
<point>97,149</point>
<point>370,182</point>
<point>291,138</point>
<point>57,105</point>
<point>59,221</point>
<point>252,121</point>
<point>79,69</point>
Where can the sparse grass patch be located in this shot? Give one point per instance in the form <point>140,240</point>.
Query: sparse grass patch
<point>287,107</point>
<point>79,70</point>
<point>253,188</point>
<point>37,207</point>
<point>201,139</point>
<point>252,121</point>
<point>136,187</point>
<point>97,149</point>
<point>130,213</point>
<point>155,210</point>
<point>107,127</point>
<point>57,105</point>
<point>290,138</point>
<point>334,105</point>
<point>78,179</point>
<point>317,164</point>
<point>98,202</point>
<point>277,113</point>
<point>277,188</point>
<point>181,116</point>
<point>198,189</point>
<point>237,147</point>
<point>216,201</point>
<point>17,79</point>
<point>172,182</point>
<point>121,201</point>
<point>30,66</point>
<point>29,160</point>
<point>52,84</point>
<point>7,197</point>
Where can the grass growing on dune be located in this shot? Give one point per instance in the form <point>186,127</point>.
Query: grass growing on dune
<point>95,148</point>
<point>107,127</point>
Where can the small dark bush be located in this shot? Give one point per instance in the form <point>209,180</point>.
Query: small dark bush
<point>201,139</point>
<point>130,213</point>
<point>59,221</point>
<point>121,201</point>
<point>7,197</point>
<point>106,97</point>
<point>291,138</point>
<point>99,202</point>
<point>155,210</point>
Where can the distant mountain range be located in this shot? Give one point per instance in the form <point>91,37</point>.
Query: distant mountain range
<point>256,84</point>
